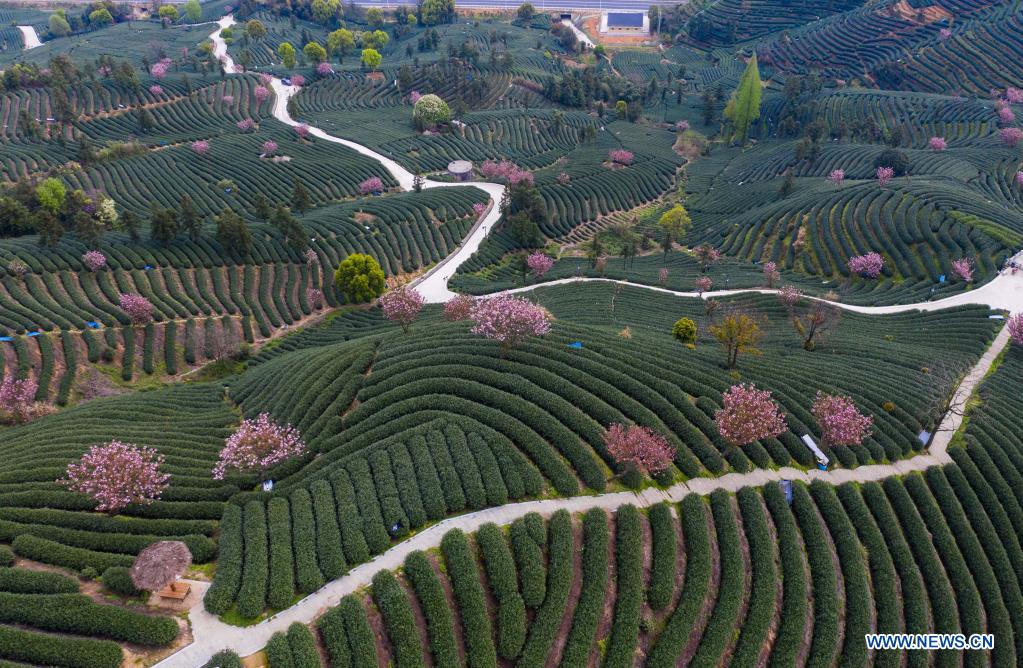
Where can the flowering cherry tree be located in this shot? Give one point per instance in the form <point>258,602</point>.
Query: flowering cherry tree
<point>297,80</point>
<point>509,320</point>
<point>265,78</point>
<point>1006,115</point>
<point>944,34</point>
<point>937,144</point>
<point>414,96</point>
<point>505,170</point>
<point>703,284</point>
<point>539,263</point>
<point>17,399</point>
<point>789,296</point>
<point>884,175</point>
<point>681,126</point>
<point>1019,178</point>
<point>563,179</point>
<point>771,273</point>
<point>458,308</point>
<point>402,305</point>
<point>1015,325</point>
<point>620,156</point>
<point>638,448</point>
<point>372,185</point>
<point>868,265</point>
<point>324,69</point>
<point>662,275</point>
<point>159,70</point>
<point>136,307</point>
<point>261,93</point>
<point>302,130</point>
<point>246,125</point>
<point>227,99</point>
<point>269,147</point>
<point>1011,136</point>
<point>156,90</point>
<point>479,208</point>
<point>706,255</point>
<point>315,297</point>
<point>963,268</point>
<point>836,175</point>
<point>94,260</point>
<point>117,475</point>
<point>748,415</point>
<point>257,445</point>
<point>840,422</point>
<point>1014,95</point>
<point>201,147</point>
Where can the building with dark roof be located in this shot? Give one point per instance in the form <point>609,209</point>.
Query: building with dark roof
<point>625,23</point>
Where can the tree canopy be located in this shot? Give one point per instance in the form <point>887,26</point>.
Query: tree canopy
<point>744,106</point>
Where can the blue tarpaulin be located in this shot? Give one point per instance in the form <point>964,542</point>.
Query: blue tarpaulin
<point>941,279</point>
<point>576,344</point>
<point>33,333</point>
<point>6,338</point>
<point>148,267</point>
<point>93,324</point>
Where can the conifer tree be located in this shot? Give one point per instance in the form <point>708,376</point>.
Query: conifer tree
<point>744,106</point>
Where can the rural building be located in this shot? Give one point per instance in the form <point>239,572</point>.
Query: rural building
<point>625,23</point>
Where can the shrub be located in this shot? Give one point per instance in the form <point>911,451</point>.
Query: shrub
<point>530,562</point>
<point>118,580</point>
<point>255,569</point>
<point>547,622</point>
<point>23,581</point>
<point>590,606</point>
<point>302,646</point>
<point>51,552</point>
<point>430,111</point>
<point>629,576</point>
<point>440,625</point>
<point>221,594</point>
<point>394,606</point>
<point>511,611</point>
<point>465,581</point>
<point>278,652</point>
<point>58,650</point>
<point>281,586</point>
<point>664,558</point>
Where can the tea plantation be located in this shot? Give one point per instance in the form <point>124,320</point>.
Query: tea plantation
<point>557,414</point>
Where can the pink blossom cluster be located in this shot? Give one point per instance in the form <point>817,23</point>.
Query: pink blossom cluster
<point>1014,95</point>
<point>117,475</point>
<point>156,90</point>
<point>265,78</point>
<point>563,179</point>
<point>138,308</point>
<point>539,263</point>
<point>840,422</point>
<point>261,93</point>
<point>402,305</point>
<point>324,69</point>
<point>703,284</point>
<point>944,34</point>
<point>868,265</point>
<point>414,96</point>
<point>302,130</point>
<point>789,296</point>
<point>1006,115</point>
<point>310,256</point>
<point>246,125</point>
<point>1015,325</point>
<point>937,144</point>
<point>884,175</point>
<point>201,147</point>
<point>662,275</point>
<point>297,80</point>
<point>458,308</point>
<point>1011,136</point>
<point>17,399</point>
<point>963,268</point>
<point>1019,178</point>
<point>836,175</point>
<point>506,170</point>
<point>372,185</point>
<point>771,273</point>
<point>681,126</point>
<point>269,147</point>
<point>707,254</point>
<point>315,297</point>
<point>479,208</point>
<point>638,447</point>
<point>104,70</point>
<point>620,156</point>
<point>509,320</point>
<point>258,445</point>
<point>94,260</point>
<point>227,99</point>
<point>159,70</point>
<point>748,415</point>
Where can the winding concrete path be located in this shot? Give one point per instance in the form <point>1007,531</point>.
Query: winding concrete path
<point>212,635</point>
<point>31,39</point>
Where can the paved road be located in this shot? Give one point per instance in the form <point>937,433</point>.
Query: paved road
<point>28,33</point>
<point>575,5</point>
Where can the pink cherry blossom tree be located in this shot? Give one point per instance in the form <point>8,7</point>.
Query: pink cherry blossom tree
<point>261,93</point>
<point>748,415</point>
<point>479,208</point>
<point>201,147</point>
<point>771,273</point>
<point>297,80</point>
<point>563,179</point>
<point>1019,178</point>
<point>704,284</point>
<point>156,90</point>
<point>227,100</point>
<point>963,268</point>
<point>944,34</point>
<point>402,305</point>
<point>371,186</point>
<point>1014,95</point>
<point>868,265</point>
<point>706,255</point>
<point>1011,136</point>
<point>257,445</point>
<point>315,297</point>
<point>459,307</point>
<point>539,263</point>
<point>1015,325</point>
<point>310,256</point>
<point>509,320</point>
<point>94,260</point>
<point>269,147</point>
<point>839,420</point>
<point>505,170</point>
<point>621,157</point>
<point>159,70</point>
<point>414,96</point>
<point>246,125</point>
<point>789,296</point>
<point>117,475</point>
<point>138,309</point>
<point>265,79</point>
<point>638,448</point>
<point>662,276</point>
<point>681,126</point>
<point>1006,115</point>
<point>302,130</point>
<point>836,176</point>
<point>884,175</point>
<point>17,400</point>
<point>324,69</point>
<point>937,144</point>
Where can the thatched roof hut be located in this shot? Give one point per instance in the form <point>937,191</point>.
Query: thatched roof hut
<point>160,564</point>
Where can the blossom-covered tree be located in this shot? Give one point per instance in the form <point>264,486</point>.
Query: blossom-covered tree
<point>156,90</point>
<point>639,448</point>
<point>297,80</point>
<point>963,268</point>
<point>246,125</point>
<point>662,276</point>
<point>868,265</point>
<point>371,186</point>
<point>706,255</point>
<point>257,445</point>
<point>17,400</point>
<point>138,309</point>
<point>505,170</point>
<point>771,273</point>
<point>402,305</point>
<point>884,175</point>
<point>479,208</point>
<point>1006,115</point>
<point>563,179</point>
<point>458,308</point>
<point>429,111</point>
<point>944,34</point>
<point>315,297</point>
<point>836,175</point>
<point>937,144</point>
<point>269,147</point>
<point>261,93</point>
<point>748,415</point>
<point>160,69</point>
<point>789,296</point>
<point>201,147</point>
<point>1019,178</point>
<point>839,420</point>
<point>620,156</point>
<point>414,97</point>
<point>539,263</point>
<point>1011,136</point>
<point>681,126</point>
<point>324,69</point>
<point>1015,325</point>
<point>117,475</point>
<point>509,320</point>
<point>302,130</point>
<point>1014,95</point>
<point>703,284</point>
<point>227,100</point>
<point>94,260</point>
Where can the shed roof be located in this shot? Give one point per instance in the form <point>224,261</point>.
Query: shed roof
<point>625,20</point>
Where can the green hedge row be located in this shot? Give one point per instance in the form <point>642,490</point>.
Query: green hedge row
<point>665,557</point>
<point>560,567</point>
<point>255,568</point>
<point>43,649</point>
<point>303,536</point>
<point>23,581</point>
<point>530,563</point>
<point>352,539</point>
<point>75,558</point>
<point>764,576</point>
<point>465,580</point>
<point>629,597</point>
<point>347,635</point>
<point>503,579</point>
<point>221,594</point>
<point>76,613</point>
<point>824,645</point>
<point>396,610</point>
<point>440,624</point>
<point>329,551</point>
<point>302,646</point>
<point>590,606</point>
<point>281,585</point>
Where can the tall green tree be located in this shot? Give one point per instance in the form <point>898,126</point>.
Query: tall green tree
<point>744,106</point>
